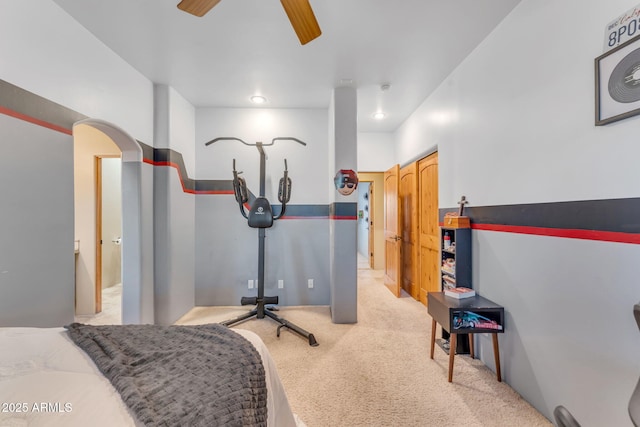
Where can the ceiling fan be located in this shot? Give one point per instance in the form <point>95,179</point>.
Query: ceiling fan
<point>299,12</point>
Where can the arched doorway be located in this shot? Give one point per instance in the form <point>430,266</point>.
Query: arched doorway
<point>137,302</point>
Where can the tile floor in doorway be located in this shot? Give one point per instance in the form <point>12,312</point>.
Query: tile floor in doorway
<point>111,308</point>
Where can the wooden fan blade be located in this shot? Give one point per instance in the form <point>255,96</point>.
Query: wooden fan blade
<point>197,7</point>
<point>302,19</point>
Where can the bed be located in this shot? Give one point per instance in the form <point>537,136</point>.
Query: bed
<point>46,379</point>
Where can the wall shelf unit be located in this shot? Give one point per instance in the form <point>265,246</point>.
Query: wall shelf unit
<point>455,268</point>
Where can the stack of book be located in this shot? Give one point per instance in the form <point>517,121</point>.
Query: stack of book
<point>459,293</point>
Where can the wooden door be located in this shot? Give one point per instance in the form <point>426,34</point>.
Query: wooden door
<point>98,282</point>
<point>409,228</point>
<point>371,229</point>
<point>429,238</point>
<point>392,224</point>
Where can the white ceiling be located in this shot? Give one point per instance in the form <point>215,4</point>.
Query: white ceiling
<point>246,47</point>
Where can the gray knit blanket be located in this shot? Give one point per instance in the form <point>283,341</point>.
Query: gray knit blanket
<point>205,375</point>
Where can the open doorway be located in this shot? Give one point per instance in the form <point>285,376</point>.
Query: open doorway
<point>365,251</point>
<point>370,224</point>
<point>96,167</point>
<point>137,289</point>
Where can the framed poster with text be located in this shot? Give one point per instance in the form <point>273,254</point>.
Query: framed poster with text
<point>617,78</point>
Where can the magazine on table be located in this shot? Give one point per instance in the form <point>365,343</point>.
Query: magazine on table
<point>459,293</point>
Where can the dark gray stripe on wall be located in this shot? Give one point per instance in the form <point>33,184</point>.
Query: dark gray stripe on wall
<point>303,211</point>
<point>214,186</point>
<point>34,106</point>
<point>168,157</point>
<point>147,152</point>
<point>340,210</point>
<point>24,105</point>
<point>617,215</point>
<point>616,220</point>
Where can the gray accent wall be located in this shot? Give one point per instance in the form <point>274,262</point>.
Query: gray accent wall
<point>147,222</point>
<point>570,334</point>
<point>36,225</point>
<point>344,273</point>
<point>137,245</point>
<point>227,256</point>
<point>226,252</point>
<point>174,246</point>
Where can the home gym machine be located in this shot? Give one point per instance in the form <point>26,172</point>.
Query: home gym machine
<point>260,215</point>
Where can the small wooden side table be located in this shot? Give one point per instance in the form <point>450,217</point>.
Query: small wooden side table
<point>471,315</point>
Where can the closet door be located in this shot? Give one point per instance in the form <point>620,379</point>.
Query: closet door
<point>372,209</point>
<point>409,233</point>
<point>392,227</point>
<point>429,238</point>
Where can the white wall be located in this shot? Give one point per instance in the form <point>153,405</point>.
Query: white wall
<point>376,151</point>
<point>47,52</point>
<point>253,125</point>
<point>514,124</point>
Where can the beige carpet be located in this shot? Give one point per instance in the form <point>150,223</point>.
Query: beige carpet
<point>378,372</point>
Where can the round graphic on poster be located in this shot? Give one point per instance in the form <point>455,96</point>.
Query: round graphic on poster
<point>346,181</point>
<point>624,82</point>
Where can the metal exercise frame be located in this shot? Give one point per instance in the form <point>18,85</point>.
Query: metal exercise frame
<point>262,218</point>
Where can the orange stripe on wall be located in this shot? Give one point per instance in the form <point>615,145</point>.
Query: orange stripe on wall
<point>176,166</point>
<point>604,236</point>
<point>15,114</point>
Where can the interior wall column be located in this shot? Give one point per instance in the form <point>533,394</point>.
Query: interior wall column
<point>173,208</point>
<point>343,154</point>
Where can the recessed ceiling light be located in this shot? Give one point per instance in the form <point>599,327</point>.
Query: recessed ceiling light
<point>257,99</point>
<point>379,115</point>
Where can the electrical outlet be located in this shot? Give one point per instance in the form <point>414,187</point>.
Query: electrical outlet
<point>280,284</point>
<point>250,284</point>
<point>310,283</point>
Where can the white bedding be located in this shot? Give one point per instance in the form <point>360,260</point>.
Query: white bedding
<point>46,380</point>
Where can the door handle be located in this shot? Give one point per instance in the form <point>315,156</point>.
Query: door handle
<point>117,240</point>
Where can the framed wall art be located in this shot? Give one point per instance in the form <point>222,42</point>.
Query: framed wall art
<point>617,75</point>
